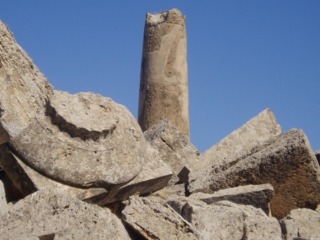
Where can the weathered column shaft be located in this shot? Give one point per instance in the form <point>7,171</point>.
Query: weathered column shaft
<point>164,71</point>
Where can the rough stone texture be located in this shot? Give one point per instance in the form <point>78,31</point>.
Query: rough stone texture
<point>164,72</point>
<point>98,158</point>
<point>241,142</point>
<point>24,89</point>
<point>3,201</point>
<point>287,163</point>
<point>46,213</point>
<point>170,192</point>
<point>301,223</point>
<point>155,221</point>
<point>258,196</point>
<point>28,180</point>
<point>175,148</point>
<point>226,220</point>
<point>154,175</point>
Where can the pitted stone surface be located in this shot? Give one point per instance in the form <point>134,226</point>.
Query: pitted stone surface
<point>155,221</point>
<point>243,141</point>
<point>24,89</point>
<point>174,148</point>
<point>164,72</point>
<point>83,115</point>
<point>258,196</point>
<point>27,180</point>
<point>286,162</point>
<point>301,223</point>
<point>84,140</point>
<point>46,213</point>
<point>227,220</point>
<point>111,156</point>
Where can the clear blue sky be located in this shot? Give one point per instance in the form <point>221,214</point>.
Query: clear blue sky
<point>244,56</point>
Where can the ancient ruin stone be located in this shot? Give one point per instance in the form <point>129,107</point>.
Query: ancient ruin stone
<point>164,72</point>
<point>155,221</point>
<point>46,213</point>
<point>154,175</point>
<point>226,220</point>
<point>301,224</point>
<point>3,201</point>
<point>258,196</point>
<point>97,142</point>
<point>242,141</point>
<point>287,163</point>
<point>24,89</point>
<point>27,180</point>
<point>175,148</point>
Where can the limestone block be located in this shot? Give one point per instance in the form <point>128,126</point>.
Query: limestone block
<point>175,148</point>
<point>164,72</point>
<point>97,142</point>
<point>24,89</point>
<point>241,142</point>
<point>287,163</point>
<point>83,154</point>
<point>3,201</point>
<point>226,220</point>
<point>155,221</point>
<point>154,175</point>
<point>258,196</point>
<point>301,223</point>
<point>46,213</point>
<point>28,180</point>
<point>169,192</point>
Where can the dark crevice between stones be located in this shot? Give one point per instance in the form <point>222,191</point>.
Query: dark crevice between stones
<point>73,130</point>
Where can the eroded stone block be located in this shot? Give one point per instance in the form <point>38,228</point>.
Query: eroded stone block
<point>155,221</point>
<point>303,223</point>
<point>154,175</point>
<point>45,213</point>
<point>83,156</point>
<point>287,163</point>
<point>241,142</point>
<point>227,220</point>
<point>258,196</point>
<point>174,148</point>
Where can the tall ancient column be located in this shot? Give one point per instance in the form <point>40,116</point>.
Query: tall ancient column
<point>164,71</point>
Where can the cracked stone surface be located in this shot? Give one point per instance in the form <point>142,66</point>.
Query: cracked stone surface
<point>227,220</point>
<point>287,162</point>
<point>164,90</point>
<point>83,140</point>
<point>301,223</point>
<point>155,221</point>
<point>48,213</point>
<point>83,156</point>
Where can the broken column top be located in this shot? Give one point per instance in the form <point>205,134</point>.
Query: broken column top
<point>171,16</point>
<point>164,72</point>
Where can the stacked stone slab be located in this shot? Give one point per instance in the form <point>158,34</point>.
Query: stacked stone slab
<point>287,162</point>
<point>226,220</point>
<point>164,71</point>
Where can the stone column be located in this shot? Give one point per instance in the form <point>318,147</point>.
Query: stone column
<point>164,71</point>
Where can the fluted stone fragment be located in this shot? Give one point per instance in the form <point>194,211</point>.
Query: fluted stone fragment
<point>164,71</point>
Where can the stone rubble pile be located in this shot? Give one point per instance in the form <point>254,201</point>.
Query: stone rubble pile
<point>78,166</point>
